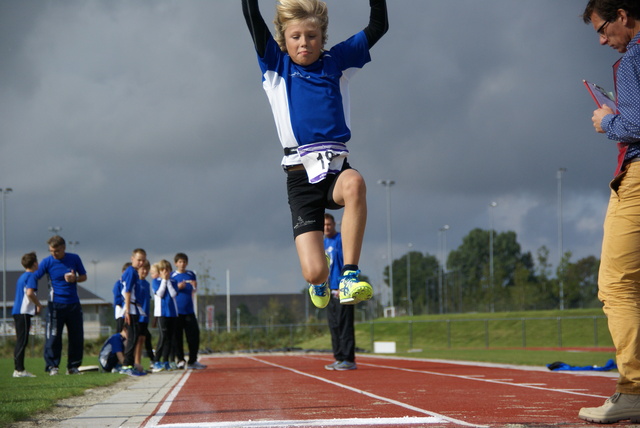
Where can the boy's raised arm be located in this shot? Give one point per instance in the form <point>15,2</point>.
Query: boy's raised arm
<point>378,21</point>
<point>257,27</point>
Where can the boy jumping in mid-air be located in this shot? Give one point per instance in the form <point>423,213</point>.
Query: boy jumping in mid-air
<point>308,91</point>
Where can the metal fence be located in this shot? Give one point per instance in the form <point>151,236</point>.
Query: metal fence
<point>524,332</point>
<point>579,331</point>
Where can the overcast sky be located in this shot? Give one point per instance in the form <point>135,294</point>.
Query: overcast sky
<point>144,124</point>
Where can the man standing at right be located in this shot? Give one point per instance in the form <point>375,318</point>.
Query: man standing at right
<point>617,24</point>
<point>340,317</point>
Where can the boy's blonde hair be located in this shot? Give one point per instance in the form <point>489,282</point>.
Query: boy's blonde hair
<point>163,264</point>
<point>300,10</point>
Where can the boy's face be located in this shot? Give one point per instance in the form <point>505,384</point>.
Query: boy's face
<point>137,260</point>
<point>181,265</point>
<point>143,271</point>
<point>303,41</point>
<point>154,273</point>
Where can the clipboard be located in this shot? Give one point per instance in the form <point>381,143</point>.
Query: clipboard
<point>600,96</point>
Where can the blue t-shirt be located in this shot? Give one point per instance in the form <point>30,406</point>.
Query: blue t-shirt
<point>131,284</point>
<point>144,300</point>
<point>118,300</point>
<point>185,295</point>
<point>22,304</point>
<point>311,104</point>
<point>61,291</point>
<point>333,248</point>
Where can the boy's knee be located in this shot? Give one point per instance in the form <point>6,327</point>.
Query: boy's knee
<point>316,275</point>
<point>354,185</point>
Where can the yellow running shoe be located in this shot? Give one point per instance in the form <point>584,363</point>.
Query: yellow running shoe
<point>352,290</point>
<point>320,295</point>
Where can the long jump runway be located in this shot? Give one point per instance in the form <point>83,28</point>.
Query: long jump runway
<point>294,390</point>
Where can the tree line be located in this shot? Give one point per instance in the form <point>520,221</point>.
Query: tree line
<point>476,279</point>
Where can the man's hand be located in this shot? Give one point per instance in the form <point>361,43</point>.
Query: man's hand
<point>70,277</point>
<point>598,115</point>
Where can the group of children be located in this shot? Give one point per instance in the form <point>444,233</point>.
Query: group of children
<point>173,310</point>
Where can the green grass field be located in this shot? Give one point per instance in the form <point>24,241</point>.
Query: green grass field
<point>23,397</point>
<point>497,338</point>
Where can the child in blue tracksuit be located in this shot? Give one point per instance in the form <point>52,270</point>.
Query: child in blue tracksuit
<point>132,310</point>
<point>25,306</point>
<point>187,320</point>
<point>111,355</point>
<point>144,298</point>
<point>165,310</point>
<point>118,300</point>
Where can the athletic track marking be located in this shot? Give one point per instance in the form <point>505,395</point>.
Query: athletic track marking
<point>432,417</point>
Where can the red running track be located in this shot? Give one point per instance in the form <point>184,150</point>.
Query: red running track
<point>295,390</point>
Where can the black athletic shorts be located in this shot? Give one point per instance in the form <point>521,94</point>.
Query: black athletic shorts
<point>308,201</point>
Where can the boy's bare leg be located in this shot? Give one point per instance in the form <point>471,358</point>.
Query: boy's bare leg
<point>313,262</point>
<point>138,353</point>
<point>351,191</point>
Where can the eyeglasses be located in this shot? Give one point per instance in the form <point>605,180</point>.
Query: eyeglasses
<point>600,30</point>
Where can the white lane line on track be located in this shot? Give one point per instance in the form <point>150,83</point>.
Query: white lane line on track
<point>369,394</point>
<point>476,379</point>
<point>368,422</point>
<point>162,411</point>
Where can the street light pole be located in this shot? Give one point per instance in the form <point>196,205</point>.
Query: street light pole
<point>95,275</point>
<point>443,255</point>
<point>492,205</point>
<point>560,245</point>
<point>409,300</point>
<point>4,191</point>
<point>388,184</point>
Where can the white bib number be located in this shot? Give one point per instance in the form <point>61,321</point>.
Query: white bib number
<point>320,159</point>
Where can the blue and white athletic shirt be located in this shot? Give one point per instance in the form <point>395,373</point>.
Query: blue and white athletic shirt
<point>108,357</point>
<point>118,300</point>
<point>311,104</point>
<point>165,292</point>
<point>61,291</point>
<point>131,284</point>
<point>22,304</point>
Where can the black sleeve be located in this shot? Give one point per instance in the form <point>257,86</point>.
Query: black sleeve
<point>378,21</point>
<point>257,27</point>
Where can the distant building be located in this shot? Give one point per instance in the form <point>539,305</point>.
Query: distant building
<point>97,313</point>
